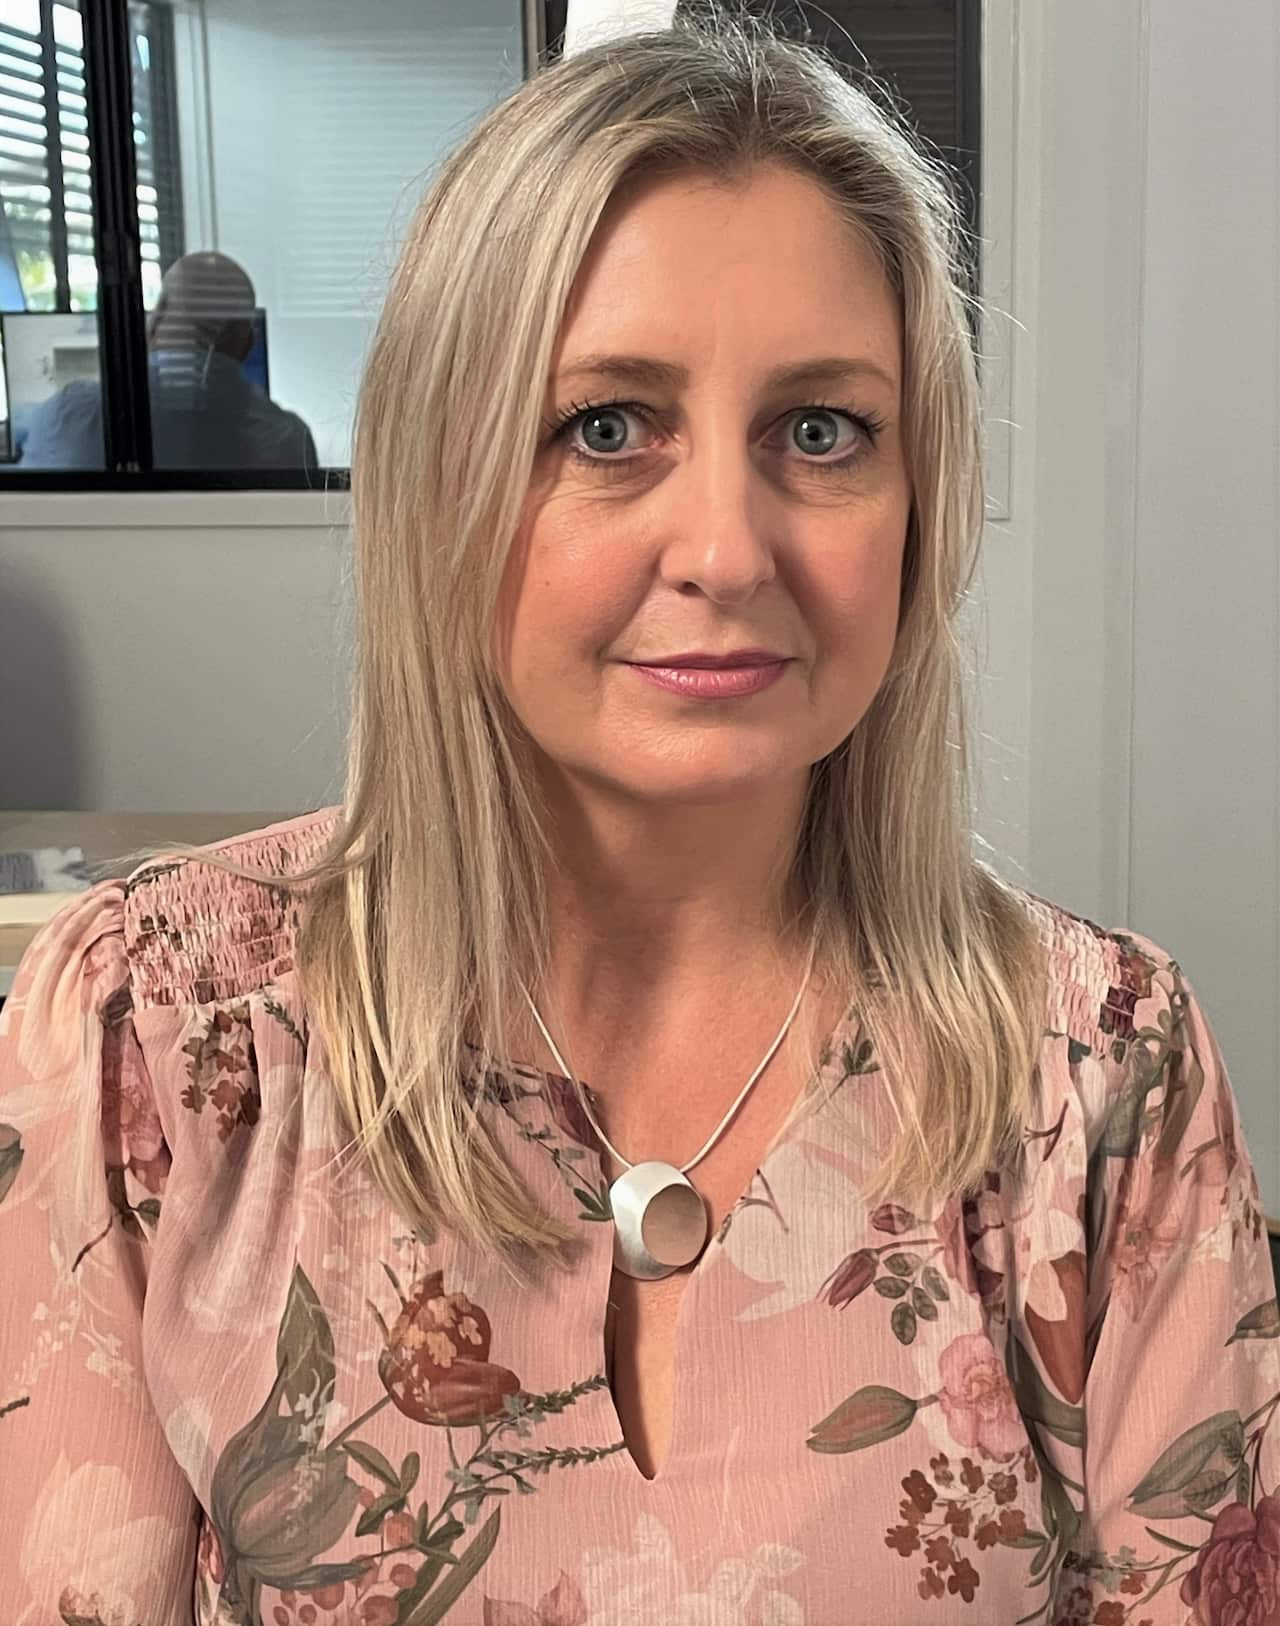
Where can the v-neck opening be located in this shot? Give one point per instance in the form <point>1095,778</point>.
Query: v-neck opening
<point>705,1261</point>
<point>703,1266</point>
<point>694,1278</point>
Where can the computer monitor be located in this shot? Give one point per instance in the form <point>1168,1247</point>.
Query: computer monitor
<point>12,295</point>
<point>254,365</point>
<point>42,351</point>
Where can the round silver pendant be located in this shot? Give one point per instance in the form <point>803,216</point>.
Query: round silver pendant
<point>659,1221</point>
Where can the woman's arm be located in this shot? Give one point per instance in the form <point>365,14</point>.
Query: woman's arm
<point>97,1521</point>
<point>1181,1516</point>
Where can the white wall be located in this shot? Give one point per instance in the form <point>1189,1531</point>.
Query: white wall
<point>189,652</point>
<point>1204,836</point>
<point>1146,495</point>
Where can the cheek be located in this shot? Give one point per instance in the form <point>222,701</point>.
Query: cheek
<point>856,599</point>
<point>564,600</point>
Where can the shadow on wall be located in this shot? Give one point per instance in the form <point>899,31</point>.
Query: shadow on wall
<point>42,722</point>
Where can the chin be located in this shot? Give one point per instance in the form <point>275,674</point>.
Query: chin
<point>705,780</point>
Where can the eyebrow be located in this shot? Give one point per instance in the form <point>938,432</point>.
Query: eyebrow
<point>670,375</point>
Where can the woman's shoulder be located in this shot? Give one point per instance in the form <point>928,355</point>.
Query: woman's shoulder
<point>1095,974</point>
<point>1127,1044</point>
<point>193,932</point>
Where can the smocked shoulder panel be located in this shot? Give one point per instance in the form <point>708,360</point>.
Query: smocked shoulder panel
<point>1086,965</point>
<point>195,934</point>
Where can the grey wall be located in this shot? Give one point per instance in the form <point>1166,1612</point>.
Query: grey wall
<point>174,669</point>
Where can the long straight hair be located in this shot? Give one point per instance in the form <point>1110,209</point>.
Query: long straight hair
<point>428,904</point>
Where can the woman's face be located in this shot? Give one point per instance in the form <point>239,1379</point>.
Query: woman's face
<point>702,505</point>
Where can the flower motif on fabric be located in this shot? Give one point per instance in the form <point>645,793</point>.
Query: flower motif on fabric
<point>957,1503</point>
<point>436,1365</point>
<point>11,1155</point>
<point>560,1605</point>
<point>1241,1558</point>
<point>130,1122</point>
<point>158,924</point>
<point>222,1067</point>
<point>557,1126</point>
<point>134,1143</point>
<point>1133,982</point>
<point>977,1398</point>
<point>1182,1185</point>
<point>913,1272</point>
<point>283,1495</point>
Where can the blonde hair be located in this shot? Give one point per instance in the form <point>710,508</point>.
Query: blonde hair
<point>428,905</point>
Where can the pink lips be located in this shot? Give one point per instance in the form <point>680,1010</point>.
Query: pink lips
<point>713,682</point>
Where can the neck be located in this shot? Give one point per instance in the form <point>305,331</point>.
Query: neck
<point>657,911</point>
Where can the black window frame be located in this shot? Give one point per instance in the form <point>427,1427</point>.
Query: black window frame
<point>128,465</point>
<point>112,171</point>
<point>127,459</point>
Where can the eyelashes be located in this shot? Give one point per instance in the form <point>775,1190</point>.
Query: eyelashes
<point>869,425</point>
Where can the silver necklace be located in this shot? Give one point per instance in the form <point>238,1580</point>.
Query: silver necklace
<point>659,1219</point>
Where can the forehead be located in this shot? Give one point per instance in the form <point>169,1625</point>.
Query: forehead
<point>766,269</point>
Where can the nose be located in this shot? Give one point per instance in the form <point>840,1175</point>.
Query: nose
<point>720,521</point>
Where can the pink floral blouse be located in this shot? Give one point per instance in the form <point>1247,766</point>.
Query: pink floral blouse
<point>235,1387</point>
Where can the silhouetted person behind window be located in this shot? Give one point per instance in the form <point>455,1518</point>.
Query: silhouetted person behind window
<point>205,413</point>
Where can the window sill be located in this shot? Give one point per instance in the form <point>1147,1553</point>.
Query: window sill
<point>172,510</point>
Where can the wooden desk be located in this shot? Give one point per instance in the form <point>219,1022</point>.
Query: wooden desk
<point>103,837</point>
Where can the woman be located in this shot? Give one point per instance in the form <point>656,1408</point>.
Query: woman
<point>946,1300</point>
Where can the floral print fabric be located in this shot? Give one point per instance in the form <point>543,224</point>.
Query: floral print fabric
<point>235,1387</point>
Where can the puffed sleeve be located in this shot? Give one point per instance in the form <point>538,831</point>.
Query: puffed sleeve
<point>1180,1514</point>
<point>97,1522</point>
